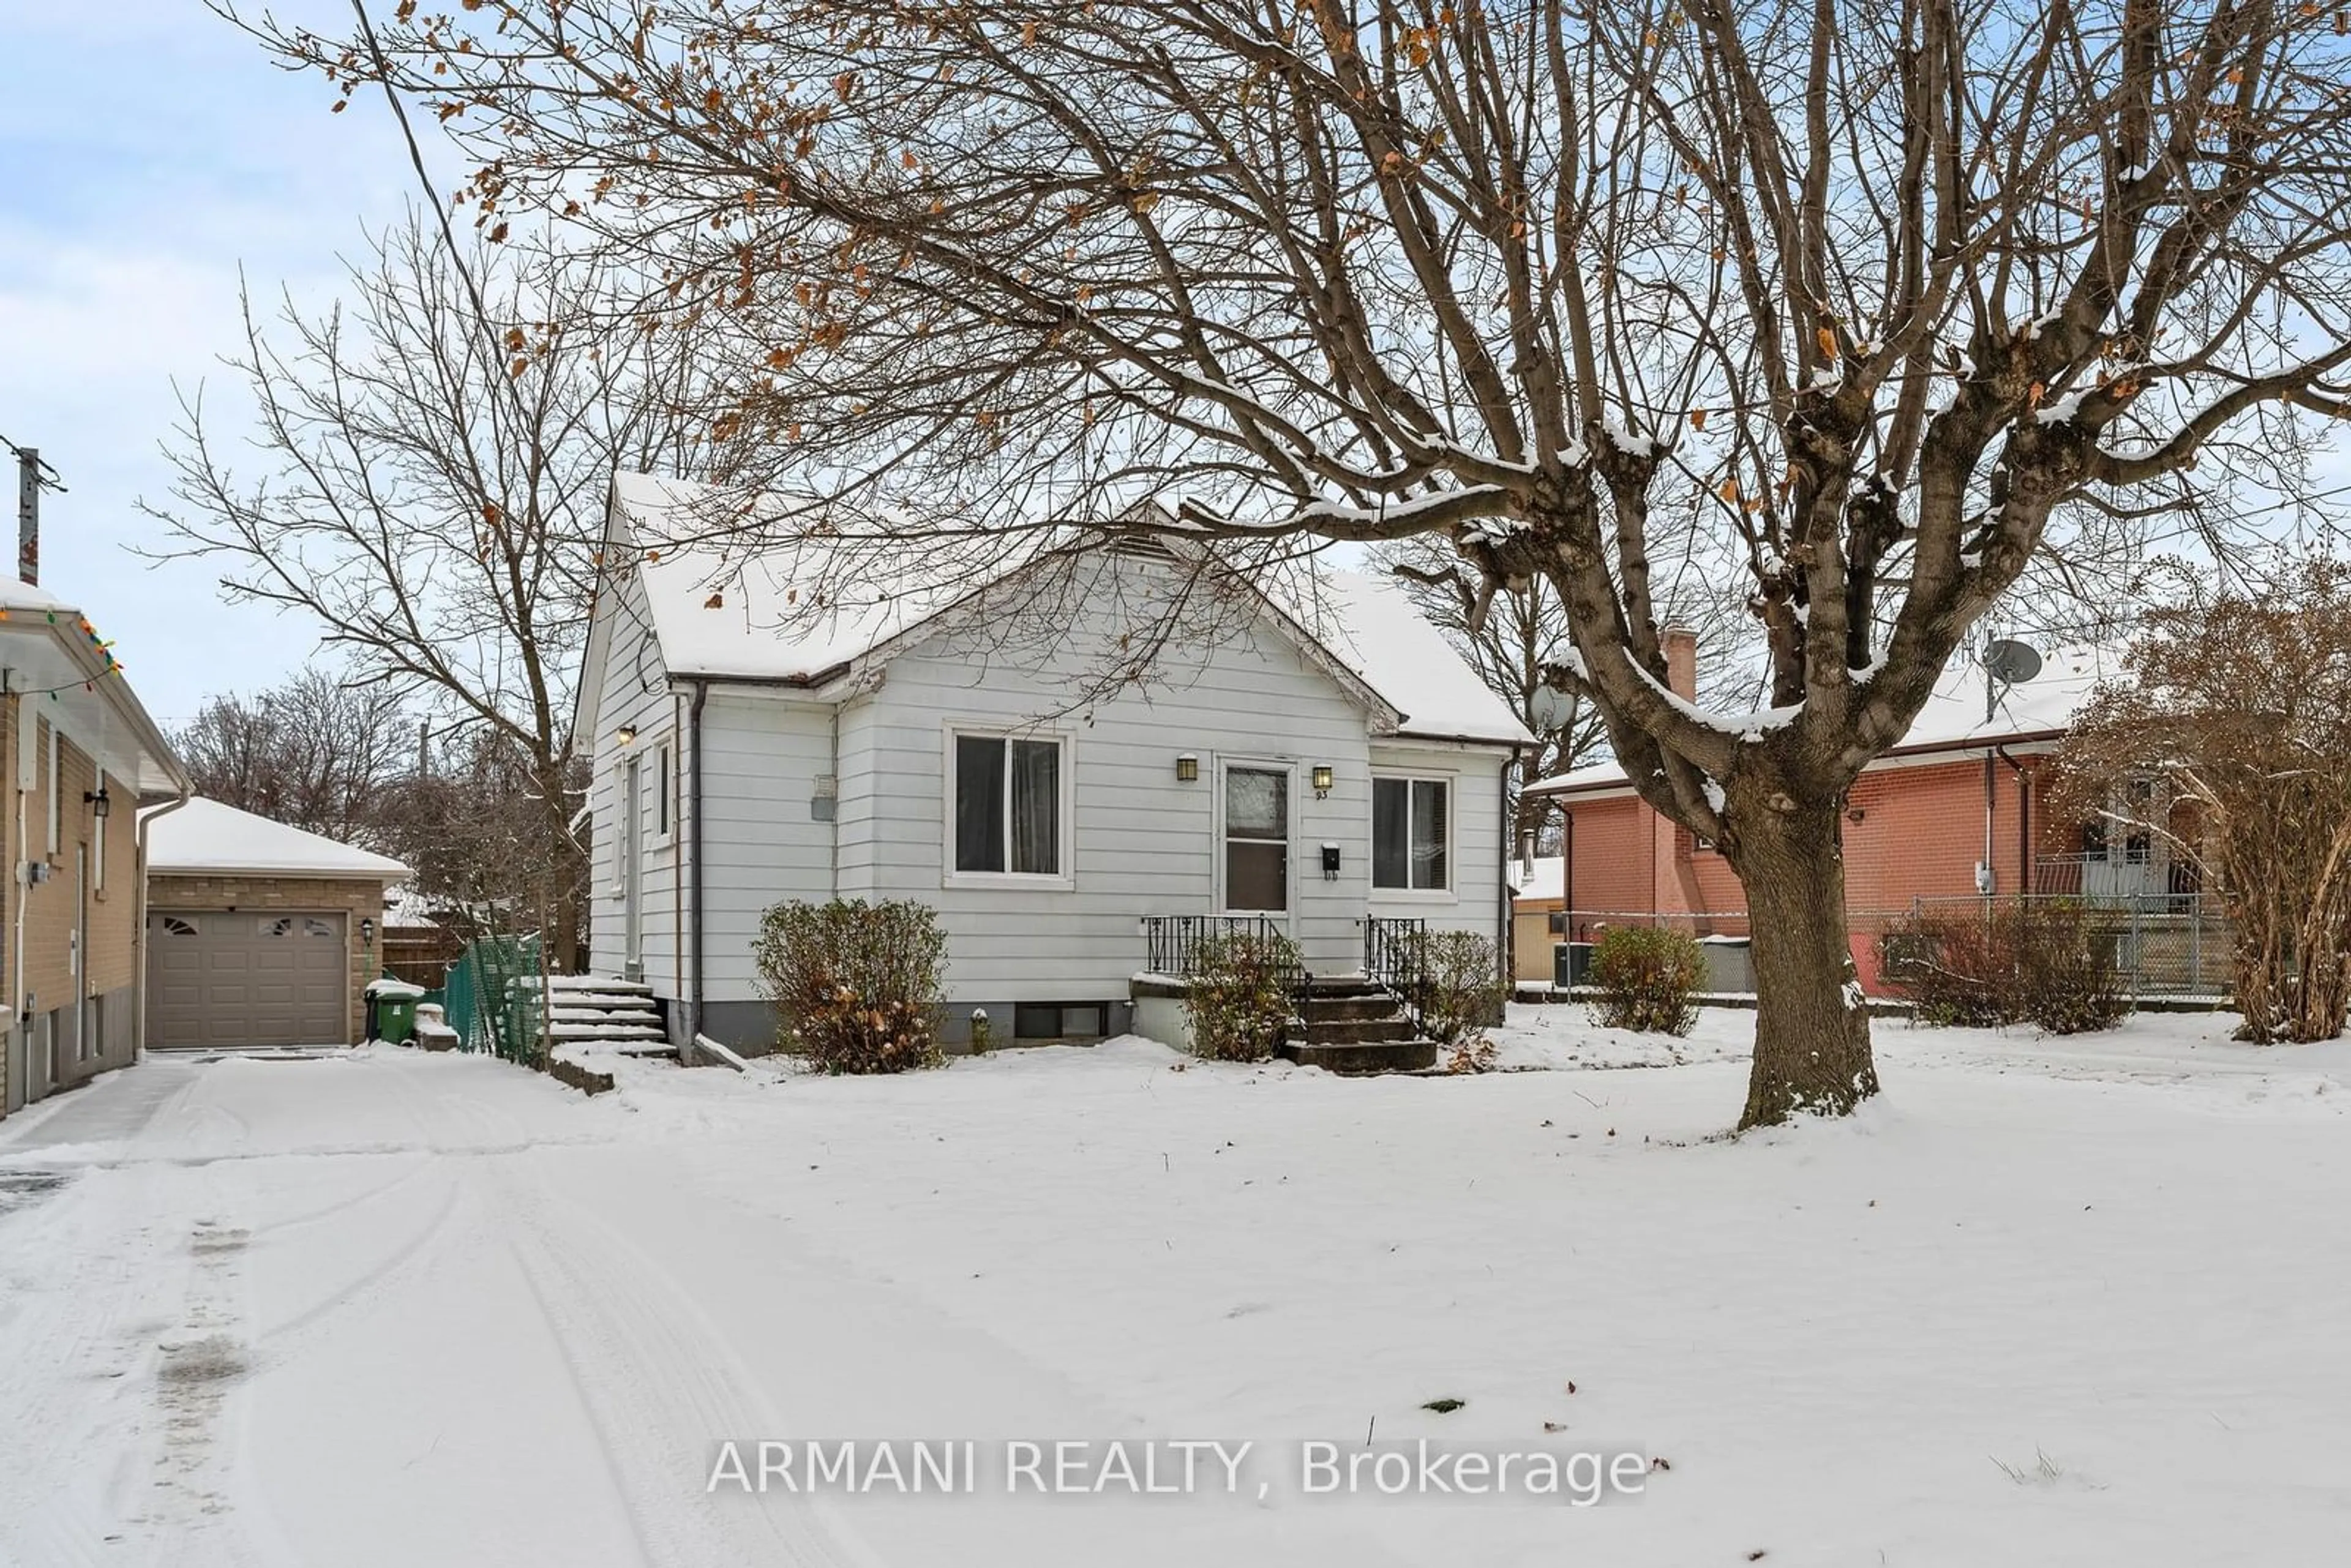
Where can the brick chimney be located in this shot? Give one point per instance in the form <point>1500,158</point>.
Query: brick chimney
<point>1681,662</point>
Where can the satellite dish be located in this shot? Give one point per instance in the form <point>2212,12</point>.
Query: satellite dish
<point>2010,662</point>
<point>1553,707</point>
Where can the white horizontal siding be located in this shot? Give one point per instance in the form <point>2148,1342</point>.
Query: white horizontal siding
<point>634,694</point>
<point>762,754</point>
<point>1143,842</point>
<point>1474,901</point>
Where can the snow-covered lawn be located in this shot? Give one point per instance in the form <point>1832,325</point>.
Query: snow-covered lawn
<point>2047,1303</point>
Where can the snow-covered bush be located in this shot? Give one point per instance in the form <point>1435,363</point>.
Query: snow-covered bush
<point>1647,979</point>
<point>2049,962</point>
<point>1239,1001</point>
<point>1460,985</point>
<point>856,986</point>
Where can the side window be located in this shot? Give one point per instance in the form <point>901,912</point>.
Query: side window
<point>1410,823</point>
<point>1008,805</point>
<point>664,818</point>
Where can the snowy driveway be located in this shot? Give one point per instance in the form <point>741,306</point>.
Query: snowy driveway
<point>387,1308</point>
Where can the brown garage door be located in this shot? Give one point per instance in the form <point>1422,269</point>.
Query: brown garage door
<point>221,979</point>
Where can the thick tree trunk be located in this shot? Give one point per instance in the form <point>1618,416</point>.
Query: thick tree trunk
<point>1811,1027</point>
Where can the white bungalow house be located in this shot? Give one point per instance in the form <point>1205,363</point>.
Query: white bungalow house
<point>1327,778</point>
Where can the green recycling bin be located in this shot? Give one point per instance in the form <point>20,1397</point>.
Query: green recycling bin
<point>392,1010</point>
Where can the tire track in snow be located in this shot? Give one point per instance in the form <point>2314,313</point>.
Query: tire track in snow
<point>661,1392</point>
<point>657,1384</point>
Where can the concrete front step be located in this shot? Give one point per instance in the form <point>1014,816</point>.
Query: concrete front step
<point>575,1028</point>
<point>1357,1060</point>
<point>1358,1032</point>
<point>1378,1005</point>
<point>565,1008</point>
<point>605,984</point>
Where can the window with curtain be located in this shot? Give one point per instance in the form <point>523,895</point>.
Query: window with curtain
<point>1410,830</point>
<point>1008,805</point>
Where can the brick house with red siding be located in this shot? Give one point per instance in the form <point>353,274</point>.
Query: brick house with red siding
<point>1959,793</point>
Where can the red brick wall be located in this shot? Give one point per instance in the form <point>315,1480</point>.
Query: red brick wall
<point>1921,835</point>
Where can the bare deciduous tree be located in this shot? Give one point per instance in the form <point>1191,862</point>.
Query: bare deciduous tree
<point>2236,710</point>
<point>1871,308</point>
<point>313,752</point>
<point>434,459</point>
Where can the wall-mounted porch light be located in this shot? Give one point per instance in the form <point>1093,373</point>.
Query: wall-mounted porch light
<point>628,733</point>
<point>367,931</point>
<point>1323,779</point>
<point>1187,768</point>
<point>98,803</point>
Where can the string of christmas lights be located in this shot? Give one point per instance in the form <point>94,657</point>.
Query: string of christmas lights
<point>104,647</point>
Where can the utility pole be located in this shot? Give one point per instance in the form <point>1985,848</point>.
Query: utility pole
<point>33,477</point>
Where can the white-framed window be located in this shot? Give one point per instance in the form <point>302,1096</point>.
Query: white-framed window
<point>1008,806</point>
<point>1412,834</point>
<point>57,796</point>
<point>665,802</point>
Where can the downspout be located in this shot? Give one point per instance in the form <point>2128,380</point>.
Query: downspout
<point>1567,875</point>
<point>694,893</point>
<point>2023,819</point>
<point>1990,880</point>
<point>139,934</point>
<point>1505,959</point>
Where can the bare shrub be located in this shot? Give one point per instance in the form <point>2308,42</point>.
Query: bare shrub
<point>1648,979</point>
<point>1240,1002</point>
<point>856,986</point>
<point>1460,985</point>
<point>2048,962</point>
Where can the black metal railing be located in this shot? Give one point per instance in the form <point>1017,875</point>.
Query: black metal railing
<point>1395,956</point>
<point>1171,942</point>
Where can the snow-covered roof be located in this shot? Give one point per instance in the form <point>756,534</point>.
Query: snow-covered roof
<point>207,838</point>
<point>1544,877</point>
<point>49,650</point>
<point>1953,718</point>
<point>725,614</point>
<point>760,627</point>
<point>1398,653</point>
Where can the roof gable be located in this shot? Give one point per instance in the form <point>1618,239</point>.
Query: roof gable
<point>756,618</point>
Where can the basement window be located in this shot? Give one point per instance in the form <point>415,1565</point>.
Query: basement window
<point>1052,1020</point>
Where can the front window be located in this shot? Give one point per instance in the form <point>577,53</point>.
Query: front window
<point>1410,823</point>
<point>1008,805</point>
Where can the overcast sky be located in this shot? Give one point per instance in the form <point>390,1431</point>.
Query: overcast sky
<point>147,149</point>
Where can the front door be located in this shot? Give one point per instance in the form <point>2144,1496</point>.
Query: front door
<point>1256,840</point>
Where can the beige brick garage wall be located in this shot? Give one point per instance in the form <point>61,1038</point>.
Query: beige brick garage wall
<point>360,899</point>
<point>111,962</point>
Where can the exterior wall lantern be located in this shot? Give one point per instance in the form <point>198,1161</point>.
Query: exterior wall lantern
<point>367,931</point>
<point>98,803</point>
<point>1323,780</point>
<point>1187,768</point>
<point>628,733</point>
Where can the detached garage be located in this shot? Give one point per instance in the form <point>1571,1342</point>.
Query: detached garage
<point>257,933</point>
